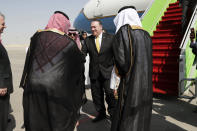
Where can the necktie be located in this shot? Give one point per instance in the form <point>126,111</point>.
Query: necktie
<point>97,44</point>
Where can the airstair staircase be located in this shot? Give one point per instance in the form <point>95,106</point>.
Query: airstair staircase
<point>166,40</point>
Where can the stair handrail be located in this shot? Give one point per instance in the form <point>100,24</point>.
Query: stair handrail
<point>186,67</point>
<point>193,81</point>
<point>186,35</point>
<point>147,9</point>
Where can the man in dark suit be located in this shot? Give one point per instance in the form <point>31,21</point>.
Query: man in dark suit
<point>99,47</point>
<point>6,86</point>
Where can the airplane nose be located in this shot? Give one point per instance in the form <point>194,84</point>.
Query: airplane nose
<point>82,23</point>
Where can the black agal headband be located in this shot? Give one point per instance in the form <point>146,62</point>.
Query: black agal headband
<point>60,12</point>
<point>126,7</point>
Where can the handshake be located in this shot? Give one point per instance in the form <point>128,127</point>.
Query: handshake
<point>3,91</point>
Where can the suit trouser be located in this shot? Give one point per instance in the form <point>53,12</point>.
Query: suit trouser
<point>100,86</point>
<point>4,110</point>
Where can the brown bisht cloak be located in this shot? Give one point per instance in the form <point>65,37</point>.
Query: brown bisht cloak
<point>133,57</point>
<point>53,82</point>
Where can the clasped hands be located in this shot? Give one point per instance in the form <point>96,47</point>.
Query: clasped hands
<point>3,91</point>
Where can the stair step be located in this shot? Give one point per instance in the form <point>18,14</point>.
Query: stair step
<point>173,8</point>
<point>166,60</point>
<point>173,83</point>
<point>170,23</point>
<point>164,76</point>
<point>160,71</point>
<point>169,26</point>
<point>161,32</point>
<point>173,4</point>
<point>171,51</point>
<point>165,67</point>
<point>167,79</point>
<point>167,63</point>
<point>172,16</point>
<point>166,51</point>
<point>165,89</point>
<point>173,11</point>
<point>172,63</point>
<point>167,36</point>
<point>170,20</point>
<point>165,41</point>
<point>165,70</point>
<point>165,44</point>
<point>165,86</point>
<point>164,47</point>
<point>164,55</point>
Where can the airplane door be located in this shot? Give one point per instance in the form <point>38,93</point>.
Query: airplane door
<point>98,9</point>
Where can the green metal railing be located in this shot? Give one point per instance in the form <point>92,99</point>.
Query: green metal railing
<point>187,69</point>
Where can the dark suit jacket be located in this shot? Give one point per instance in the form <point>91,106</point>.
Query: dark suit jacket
<point>103,61</point>
<point>5,70</point>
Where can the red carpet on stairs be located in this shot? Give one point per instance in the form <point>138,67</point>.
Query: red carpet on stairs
<point>166,41</point>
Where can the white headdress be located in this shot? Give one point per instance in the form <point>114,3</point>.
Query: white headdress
<point>127,16</point>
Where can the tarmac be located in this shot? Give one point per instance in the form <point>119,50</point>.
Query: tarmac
<point>168,114</point>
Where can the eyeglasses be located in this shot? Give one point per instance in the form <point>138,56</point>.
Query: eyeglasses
<point>72,34</point>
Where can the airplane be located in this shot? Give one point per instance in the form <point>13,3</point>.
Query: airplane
<point>105,11</point>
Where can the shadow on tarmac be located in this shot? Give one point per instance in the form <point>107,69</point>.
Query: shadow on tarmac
<point>86,124</point>
<point>175,108</point>
<point>158,123</point>
<point>162,105</point>
<point>85,121</point>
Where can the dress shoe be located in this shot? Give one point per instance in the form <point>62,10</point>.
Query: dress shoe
<point>99,118</point>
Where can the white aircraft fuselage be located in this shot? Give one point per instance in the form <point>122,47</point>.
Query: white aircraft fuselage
<point>105,11</point>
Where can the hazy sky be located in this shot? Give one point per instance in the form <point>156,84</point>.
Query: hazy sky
<point>25,17</point>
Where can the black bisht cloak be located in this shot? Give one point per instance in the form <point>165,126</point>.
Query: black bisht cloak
<point>53,82</point>
<point>5,82</point>
<point>133,58</point>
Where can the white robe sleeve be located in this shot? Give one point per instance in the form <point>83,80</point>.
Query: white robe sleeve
<point>115,80</point>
